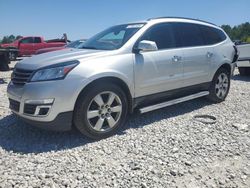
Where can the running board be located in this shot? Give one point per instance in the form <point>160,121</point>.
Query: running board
<point>172,102</point>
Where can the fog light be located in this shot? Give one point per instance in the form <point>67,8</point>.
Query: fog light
<point>43,111</point>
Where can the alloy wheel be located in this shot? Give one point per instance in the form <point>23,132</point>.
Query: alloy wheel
<point>222,85</point>
<point>104,111</point>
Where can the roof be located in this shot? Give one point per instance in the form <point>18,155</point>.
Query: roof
<point>183,18</point>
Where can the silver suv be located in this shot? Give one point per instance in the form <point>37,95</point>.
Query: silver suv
<point>144,65</point>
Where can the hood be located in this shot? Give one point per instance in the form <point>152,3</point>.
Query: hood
<point>51,58</point>
<point>12,44</point>
<point>9,45</point>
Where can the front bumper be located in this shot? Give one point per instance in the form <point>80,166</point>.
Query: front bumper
<point>59,100</point>
<point>62,122</point>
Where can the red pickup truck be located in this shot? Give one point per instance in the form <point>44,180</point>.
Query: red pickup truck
<point>29,45</point>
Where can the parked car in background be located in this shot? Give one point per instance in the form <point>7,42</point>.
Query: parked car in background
<point>29,45</point>
<point>5,58</point>
<point>73,44</point>
<point>136,66</point>
<point>243,62</point>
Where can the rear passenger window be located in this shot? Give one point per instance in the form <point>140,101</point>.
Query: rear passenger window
<point>162,35</point>
<point>37,40</point>
<point>189,35</point>
<point>212,35</point>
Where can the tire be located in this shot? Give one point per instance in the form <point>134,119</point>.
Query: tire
<point>12,56</point>
<point>244,71</point>
<point>220,86</point>
<point>100,111</point>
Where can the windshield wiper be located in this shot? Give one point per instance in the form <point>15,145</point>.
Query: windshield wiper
<point>88,47</point>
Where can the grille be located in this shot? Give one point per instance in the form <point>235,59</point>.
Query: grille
<point>14,105</point>
<point>20,76</point>
<point>29,108</point>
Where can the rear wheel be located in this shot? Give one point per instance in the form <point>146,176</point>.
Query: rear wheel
<point>100,111</point>
<point>220,85</point>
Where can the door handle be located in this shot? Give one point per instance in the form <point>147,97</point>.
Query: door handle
<point>176,58</point>
<point>209,54</point>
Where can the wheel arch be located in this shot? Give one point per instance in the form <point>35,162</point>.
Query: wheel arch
<point>110,79</point>
<point>226,66</point>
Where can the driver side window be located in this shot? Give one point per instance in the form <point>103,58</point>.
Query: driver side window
<point>27,40</point>
<point>162,34</point>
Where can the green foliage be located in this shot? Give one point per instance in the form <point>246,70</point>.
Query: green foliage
<point>10,38</point>
<point>248,40</point>
<point>239,32</point>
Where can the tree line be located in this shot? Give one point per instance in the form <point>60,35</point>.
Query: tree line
<point>240,32</point>
<point>10,38</point>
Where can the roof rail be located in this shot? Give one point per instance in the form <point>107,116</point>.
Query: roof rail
<point>181,18</point>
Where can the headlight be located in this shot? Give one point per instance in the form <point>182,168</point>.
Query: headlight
<point>54,72</point>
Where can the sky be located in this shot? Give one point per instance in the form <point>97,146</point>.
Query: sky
<point>84,18</point>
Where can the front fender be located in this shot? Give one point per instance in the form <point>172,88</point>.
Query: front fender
<point>109,73</point>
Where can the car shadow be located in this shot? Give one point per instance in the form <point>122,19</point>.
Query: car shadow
<point>18,137</point>
<point>137,120</point>
<point>238,77</point>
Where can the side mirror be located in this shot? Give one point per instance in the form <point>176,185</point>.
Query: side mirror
<point>146,46</point>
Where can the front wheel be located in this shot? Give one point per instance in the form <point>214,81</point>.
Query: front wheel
<point>220,85</point>
<point>100,111</point>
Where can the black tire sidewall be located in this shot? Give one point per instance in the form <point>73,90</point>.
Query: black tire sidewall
<point>80,113</point>
<point>212,92</point>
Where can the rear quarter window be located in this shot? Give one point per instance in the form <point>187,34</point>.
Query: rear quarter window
<point>37,40</point>
<point>212,35</point>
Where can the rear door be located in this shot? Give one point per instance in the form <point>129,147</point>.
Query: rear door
<point>37,44</point>
<point>26,46</point>
<point>197,56</point>
<point>161,70</point>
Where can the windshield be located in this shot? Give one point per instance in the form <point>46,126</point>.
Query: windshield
<point>112,38</point>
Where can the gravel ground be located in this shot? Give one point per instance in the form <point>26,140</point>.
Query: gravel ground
<point>164,148</point>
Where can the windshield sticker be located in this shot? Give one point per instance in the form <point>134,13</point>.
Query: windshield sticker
<point>135,26</point>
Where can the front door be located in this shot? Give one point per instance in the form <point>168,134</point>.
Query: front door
<point>161,70</point>
<point>26,46</point>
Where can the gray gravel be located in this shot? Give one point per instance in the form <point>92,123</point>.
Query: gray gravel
<point>164,148</point>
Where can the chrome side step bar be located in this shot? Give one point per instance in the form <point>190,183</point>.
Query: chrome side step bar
<point>172,102</point>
